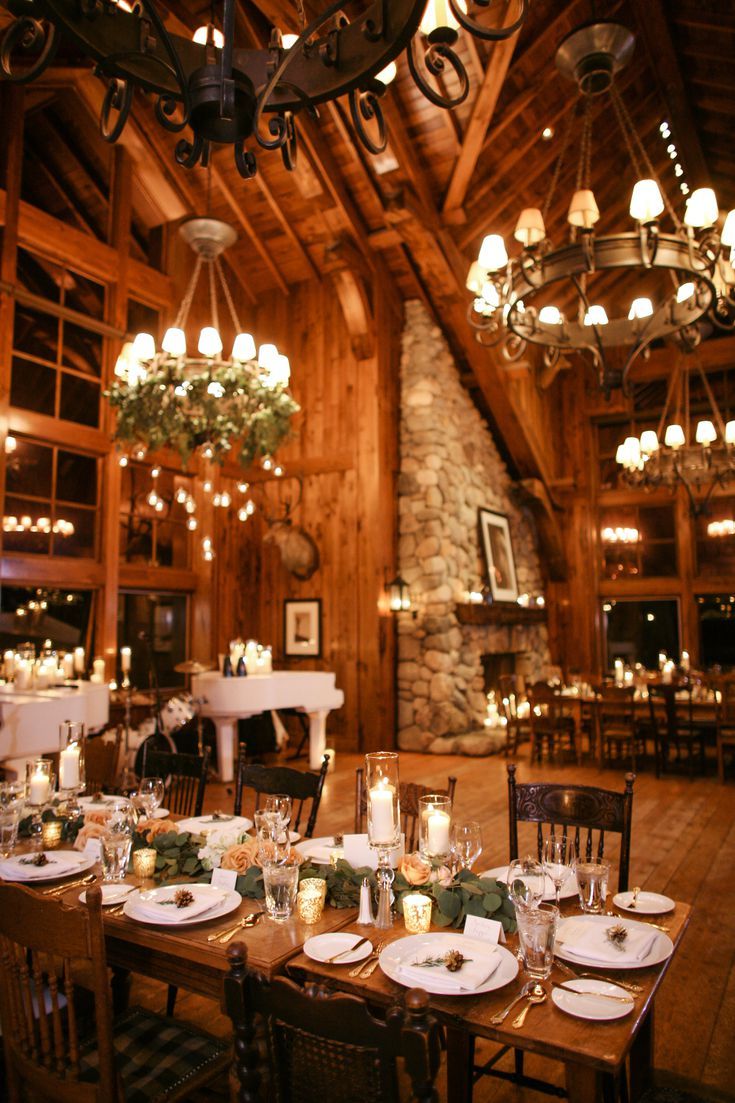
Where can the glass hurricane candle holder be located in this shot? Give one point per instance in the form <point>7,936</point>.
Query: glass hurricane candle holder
<point>417,913</point>
<point>435,824</point>
<point>310,899</point>
<point>39,790</point>
<point>51,834</point>
<point>72,747</point>
<point>384,823</point>
<point>144,863</point>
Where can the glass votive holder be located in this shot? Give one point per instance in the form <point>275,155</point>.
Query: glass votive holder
<point>417,913</point>
<point>435,822</point>
<point>51,834</point>
<point>309,905</point>
<point>144,863</point>
<point>315,885</point>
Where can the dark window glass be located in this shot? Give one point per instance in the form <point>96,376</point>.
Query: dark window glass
<point>80,400</point>
<point>64,620</point>
<point>717,630</point>
<point>76,478</point>
<point>637,631</point>
<point>82,350</point>
<point>716,554</point>
<point>142,318</point>
<point>33,386</point>
<point>29,469</point>
<point>153,625</point>
<point>79,543</point>
<point>36,333</point>
<point>655,552</point>
<point>84,295</point>
<point>39,276</point>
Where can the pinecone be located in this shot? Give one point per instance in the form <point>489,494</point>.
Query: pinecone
<point>183,898</point>
<point>617,934</point>
<point>454,960</point>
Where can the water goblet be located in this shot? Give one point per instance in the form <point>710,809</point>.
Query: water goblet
<point>150,794</point>
<point>117,840</point>
<point>526,881</point>
<point>558,857</point>
<point>466,843</point>
<point>280,805</point>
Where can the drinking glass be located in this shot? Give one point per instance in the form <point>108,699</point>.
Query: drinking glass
<point>117,840</point>
<point>9,820</point>
<point>280,883</point>
<point>466,843</point>
<point>280,805</point>
<point>592,879</point>
<point>526,881</point>
<point>537,933</point>
<point>272,836</point>
<point>558,861</point>
<point>150,794</point>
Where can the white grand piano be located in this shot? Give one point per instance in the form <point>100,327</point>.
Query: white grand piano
<point>227,700</point>
<point>30,719</point>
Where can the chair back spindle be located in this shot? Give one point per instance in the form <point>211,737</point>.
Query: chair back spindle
<point>184,776</point>
<point>299,785</point>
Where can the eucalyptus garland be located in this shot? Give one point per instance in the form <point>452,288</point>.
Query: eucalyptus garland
<point>185,405</point>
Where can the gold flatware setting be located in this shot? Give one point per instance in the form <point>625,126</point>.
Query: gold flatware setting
<point>628,985</point>
<point>366,968</point>
<point>350,949</point>
<point>565,987</point>
<point>58,890</point>
<point>537,994</point>
<point>498,1018</point>
<point>224,935</point>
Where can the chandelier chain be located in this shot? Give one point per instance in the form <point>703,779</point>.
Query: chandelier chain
<point>559,162</point>
<point>213,294</point>
<point>183,314</point>
<point>630,135</point>
<point>228,295</point>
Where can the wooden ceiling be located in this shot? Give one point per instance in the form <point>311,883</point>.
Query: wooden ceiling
<point>416,214</point>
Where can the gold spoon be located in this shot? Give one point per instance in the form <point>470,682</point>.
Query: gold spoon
<point>537,994</point>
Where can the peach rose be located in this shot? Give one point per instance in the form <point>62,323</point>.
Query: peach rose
<point>153,828</point>
<point>96,817</point>
<point>415,869</point>
<point>89,831</point>
<point>240,856</point>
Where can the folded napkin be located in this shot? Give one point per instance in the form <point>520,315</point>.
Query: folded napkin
<point>590,940</point>
<point>481,961</point>
<point>57,866</point>
<point>203,825</point>
<point>152,904</point>
<point>320,855</point>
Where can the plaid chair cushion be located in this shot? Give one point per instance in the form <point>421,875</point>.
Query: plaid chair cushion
<point>156,1057</point>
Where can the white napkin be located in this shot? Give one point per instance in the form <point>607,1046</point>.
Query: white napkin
<point>150,904</point>
<point>57,866</point>
<point>589,940</point>
<point>481,961</point>
<point>320,855</point>
<point>202,825</point>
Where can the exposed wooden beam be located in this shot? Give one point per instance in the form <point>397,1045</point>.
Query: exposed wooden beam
<point>239,213</point>
<point>284,222</point>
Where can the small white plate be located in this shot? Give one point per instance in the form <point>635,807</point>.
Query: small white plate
<point>661,949</point>
<point>160,814</point>
<point>111,894</point>
<point>590,1006</point>
<point>323,946</point>
<point>403,951</point>
<point>648,903</point>
<point>231,901</point>
<point>568,889</point>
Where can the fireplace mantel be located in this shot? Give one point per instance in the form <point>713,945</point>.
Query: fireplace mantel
<point>499,613</point>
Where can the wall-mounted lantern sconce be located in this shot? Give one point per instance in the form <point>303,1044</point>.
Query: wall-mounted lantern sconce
<point>399,597</point>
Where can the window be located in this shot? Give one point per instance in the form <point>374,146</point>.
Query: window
<point>637,631</point>
<point>153,626</point>
<point>35,614</point>
<point>51,497</point>
<point>715,554</point>
<point>717,630</point>
<point>653,555</point>
<point>153,517</point>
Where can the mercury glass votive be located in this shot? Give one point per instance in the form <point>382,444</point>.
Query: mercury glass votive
<point>309,906</point>
<point>51,834</point>
<point>144,863</point>
<point>417,913</point>
<point>315,885</point>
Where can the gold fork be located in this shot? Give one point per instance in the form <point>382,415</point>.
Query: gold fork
<point>375,953</point>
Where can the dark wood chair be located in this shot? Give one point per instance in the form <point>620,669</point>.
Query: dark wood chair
<point>101,762</point>
<point>408,795</point>
<point>184,776</point>
<point>620,737</point>
<point>300,786</point>
<point>141,1055</point>
<point>549,722</point>
<point>517,729</point>
<point>326,1046</point>
<point>674,727</point>
<point>725,713</point>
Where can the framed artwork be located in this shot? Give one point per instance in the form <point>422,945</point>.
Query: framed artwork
<point>302,628</point>
<point>501,569</point>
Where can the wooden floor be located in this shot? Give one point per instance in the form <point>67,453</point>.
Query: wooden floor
<point>683,845</point>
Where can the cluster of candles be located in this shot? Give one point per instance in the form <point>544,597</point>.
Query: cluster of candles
<point>725,527</point>
<point>250,658</point>
<point>42,524</point>
<point>620,535</point>
<point>625,676</point>
<point>494,718</point>
<point>28,671</point>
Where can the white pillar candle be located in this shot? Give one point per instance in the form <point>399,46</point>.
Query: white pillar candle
<point>661,659</point>
<point>126,656</point>
<point>69,767</point>
<point>667,673</point>
<point>437,832</point>
<point>619,672</point>
<point>68,664</point>
<point>9,664</point>
<point>251,657</point>
<point>23,674</point>
<point>98,670</point>
<point>628,678</point>
<point>267,660</point>
<point>382,823</point>
<point>79,660</point>
<point>39,788</point>
<point>685,661</point>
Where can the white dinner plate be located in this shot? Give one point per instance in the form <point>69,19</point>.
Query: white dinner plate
<point>87,804</point>
<point>568,889</point>
<point>80,864</point>
<point>323,946</point>
<point>111,894</point>
<point>203,825</point>
<point>404,950</point>
<point>661,949</point>
<point>591,1006</point>
<point>231,901</point>
<point>648,903</point>
<point>319,850</point>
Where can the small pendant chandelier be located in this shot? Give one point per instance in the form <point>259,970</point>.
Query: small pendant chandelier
<point>207,403</point>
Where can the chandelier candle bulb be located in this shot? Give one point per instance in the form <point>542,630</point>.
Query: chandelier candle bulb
<point>619,672</point>
<point>475,278</point>
<point>674,436</point>
<point>125,659</point>
<point>174,342</point>
<point>685,292</point>
<point>705,433</point>
<point>583,210</point>
<point>640,308</point>
<point>685,664</point>
<point>646,202</point>
<point>67,664</point>
<point>144,347</point>
<point>667,673</point>
<point>98,671</point>
<point>243,347</point>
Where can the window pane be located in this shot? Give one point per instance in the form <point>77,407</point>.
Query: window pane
<point>82,349</point>
<point>80,542</point>
<point>717,630</point>
<point>172,544</point>
<point>161,619</point>
<point>84,295</point>
<point>29,469</point>
<point>142,318</point>
<point>64,620</point>
<point>25,514</point>
<point>40,276</point>
<point>80,400</point>
<point>36,333</point>
<point>33,386</point>
<point>76,478</point>
<point>716,554</point>
<point>637,631</point>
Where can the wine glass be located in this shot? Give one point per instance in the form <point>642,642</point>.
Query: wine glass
<point>526,881</point>
<point>280,805</point>
<point>466,843</point>
<point>150,794</point>
<point>559,859</point>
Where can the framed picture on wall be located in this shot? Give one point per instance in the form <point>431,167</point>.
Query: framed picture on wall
<point>302,628</point>
<point>498,550</point>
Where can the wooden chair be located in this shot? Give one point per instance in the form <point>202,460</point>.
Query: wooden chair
<point>326,1046</point>
<point>674,727</point>
<point>549,722</point>
<point>517,730</point>
<point>297,784</point>
<point>101,760</point>
<point>620,736</point>
<point>184,776</point>
<point>136,1055</point>
<point>408,794</point>
<point>725,713</point>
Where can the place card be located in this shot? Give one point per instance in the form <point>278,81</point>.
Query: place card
<point>93,849</point>
<point>224,878</point>
<point>487,930</point>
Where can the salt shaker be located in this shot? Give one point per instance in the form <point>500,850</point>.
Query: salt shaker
<point>366,904</point>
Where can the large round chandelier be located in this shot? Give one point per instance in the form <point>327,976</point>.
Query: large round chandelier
<point>228,94</point>
<point>203,403</point>
<point>519,300</point>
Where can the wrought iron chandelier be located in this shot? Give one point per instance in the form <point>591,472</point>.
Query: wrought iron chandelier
<point>223,92</point>
<point>203,404</point>
<point>514,298</point>
<point>700,456</point>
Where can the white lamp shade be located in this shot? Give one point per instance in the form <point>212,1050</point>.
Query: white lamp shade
<point>596,316</point>
<point>387,75</point>
<point>550,316</point>
<point>583,210</point>
<point>530,227</point>
<point>632,450</point>
<point>125,360</point>
<point>730,432</point>
<point>649,442</point>
<point>646,202</point>
<point>267,357</point>
<point>685,291</point>
<point>282,371</point>
<point>210,342</point>
<point>640,308</point>
<point>728,230</point>
<point>438,14</point>
<point>174,342</point>
<point>705,433</point>
<point>289,40</point>
<point>493,255</point>
<point>490,294</point>
<point>475,278</point>
<point>243,347</point>
<point>674,436</point>
<point>701,209</point>
<point>200,36</point>
<point>620,455</point>
<point>144,347</point>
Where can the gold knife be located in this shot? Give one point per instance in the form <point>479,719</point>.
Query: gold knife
<point>597,995</point>
<point>350,949</point>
